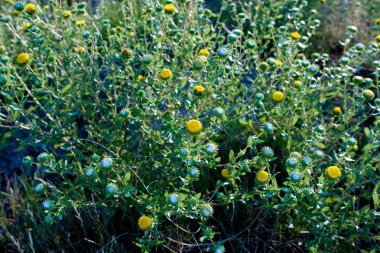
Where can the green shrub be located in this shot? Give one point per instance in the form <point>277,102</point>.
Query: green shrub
<point>168,127</point>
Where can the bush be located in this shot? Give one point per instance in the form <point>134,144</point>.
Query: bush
<point>168,127</point>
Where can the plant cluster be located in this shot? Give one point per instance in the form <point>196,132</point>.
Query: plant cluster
<point>179,130</point>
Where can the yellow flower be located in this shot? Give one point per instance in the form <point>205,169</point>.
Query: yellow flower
<point>2,49</point>
<point>194,126</point>
<point>145,222</point>
<point>132,33</point>
<point>166,74</point>
<point>262,176</point>
<point>46,7</point>
<point>297,84</point>
<point>199,90</point>
<point>377,21</point>
<point>66,14</point>
<point>212,119</point>
<point>295,35</point>
<point>278,96</point>
<point>278,63</point>
<point>322,1</point>
<point>16,12</point>
<point>225,173</point>
<point>26,27</point>
<point>204,52</point>
<point>378,38</point>
<point>337,110</point>
<point>169,8</point>
<point>257,8</point>
<point>140,77</point>
<point>81,50</point>
<point>333,172</point>
<point>80,23</point>
<point>30,9</point>
<point>22,58</point>
<point>368,94</point>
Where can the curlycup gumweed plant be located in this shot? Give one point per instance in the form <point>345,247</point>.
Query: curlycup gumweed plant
<point>158,125</point>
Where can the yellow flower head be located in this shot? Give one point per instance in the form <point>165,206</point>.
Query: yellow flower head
<point>166,74</point>
<point>262,176</point>
<point>80,22</point>
<point>337,110</point>
<point>204,52</point>
<point>26,27</point>
<point>199,90</point>
<point>278,96</point>
<point>194,126</point>
<point>378,38</point>
<point>377,21</point>
<point>132,33</point>
<point>322,1</point>
<point>257,8</point>
<point>297,84</point>
<point>140,77</point>
<point>169,8</point>
<point>368,94</point>
<point>2,49</point>
<point>22,58</point>
<point>295,35</point>
<point>81,50</point>
<point>333,172</point>
<point>30,9</point>
<point>278,63</point>
<point>225,173</point>
<point>145,222</point>
<point>66,14</point>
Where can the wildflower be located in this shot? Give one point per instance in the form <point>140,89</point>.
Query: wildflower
<point>111,188</point>
<point>39,187</point>
<point>166,74</point>
<point>210,148</point>
<point>296,176</point>
<point>295,35</point>
<point>46,204</point>
<point>81,50</point>
<point>19,6</point>
<point>337,110</point>
<point>22,58</point>
<point>268,127</point>
<point>127,52</point>
<point>378,38</point>
<point>333,172</point>
<point>278,96</point>
<point>204,52</point>
<point>262,176</point>
<point>267,152</point>
<point>26,27</point>
<point>66,14</point>
<point>140,77</point>
<point>106,162</point>
<point>207,210</point>
<point>278,63</point>
<point>292,162</point>
<point>219,249</point>
<point>368,94</point>
<point>218,111</point>
<point>223,52</point>
<point>194,126</point>
<point>27,161</point>
<point>193,172</point>
<point>173,199</point>
<point>199,90</point>
<point>89,172</point>
<point>30,9</point>
<point>2,49</point>
<point>225,173</point>
<point>169,8</point>
<point>80,22</point>
<point>145,222</point>
<point>297,84</point>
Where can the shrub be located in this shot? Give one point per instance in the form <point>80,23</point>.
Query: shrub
<point>171,128</point>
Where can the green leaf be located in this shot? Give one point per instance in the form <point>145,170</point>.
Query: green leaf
<point>367,132</point>
<point>231,155</point>
<point>375,196</point>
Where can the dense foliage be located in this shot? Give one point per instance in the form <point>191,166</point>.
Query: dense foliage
<point>170,127</point>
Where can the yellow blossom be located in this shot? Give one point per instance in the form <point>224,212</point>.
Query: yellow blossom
<point>80,23</point>
<point>66,14</point>
<point>145,222</point>
<point>169,8</point>
<point>337,110</point>
<point>194,126</point>
<point>262,176</point>
<point>22,58</point>
<point>204,52</point>
<point>225,173</point>
<point>295,35</point>
<point>333,172</point>
<point>30,8</point>
<point>278,96</point>
<point>166,74</point>
<point>199,90</point>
